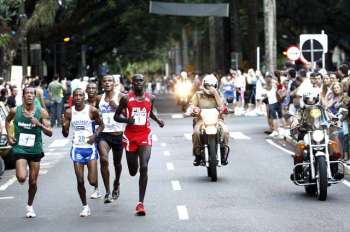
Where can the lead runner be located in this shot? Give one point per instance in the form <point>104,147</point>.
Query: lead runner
<point>137,138</point>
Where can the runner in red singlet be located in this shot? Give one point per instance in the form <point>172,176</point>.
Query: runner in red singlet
<point>137,138</point>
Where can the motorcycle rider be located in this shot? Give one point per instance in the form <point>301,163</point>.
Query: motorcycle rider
<point>207,98</point>
<point>300,126</point>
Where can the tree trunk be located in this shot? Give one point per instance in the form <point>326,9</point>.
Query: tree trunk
<point>235,25</point>
<point>270,34</point>
<point>252,10</point>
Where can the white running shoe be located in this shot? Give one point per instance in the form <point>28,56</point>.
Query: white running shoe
<point>96,194</point>
<point>86,211</point>
<point>30,212</point>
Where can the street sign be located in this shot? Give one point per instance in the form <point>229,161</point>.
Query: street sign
<point>313,47</point>
<point>293,53</point>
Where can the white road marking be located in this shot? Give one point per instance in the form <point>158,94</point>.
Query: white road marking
<point>347,183</point>
<point>238,135</point>
<point>182,212</point>
<point>279,147</point>
<point>170,166</point>
<point>166,153</point>
<point>47,164</point>
<point>188,136</point>
<point>176,185</point>
<point>59,143</point>
<point>154,137</point>
<point>43,172</point>
<point>7,198</point>
<point>176,116</point>
<point>163,144</point>
<point>8,183</point>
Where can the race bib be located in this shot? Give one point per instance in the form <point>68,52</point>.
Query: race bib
<point>108,120</point>
<point>80,137</point>
<point>26,140</point>
<point>140,118</point>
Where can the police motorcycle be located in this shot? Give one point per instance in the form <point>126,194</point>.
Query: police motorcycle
<point>212,147</point>
<point>183,91</point>
<point>319,168</point>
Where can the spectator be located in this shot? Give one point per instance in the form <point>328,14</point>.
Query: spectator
<point>56,90</point>
<point>3,95</point>
<point>11,100</point>
<point>274,105</point>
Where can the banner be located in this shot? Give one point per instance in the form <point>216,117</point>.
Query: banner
<point>189,9</point>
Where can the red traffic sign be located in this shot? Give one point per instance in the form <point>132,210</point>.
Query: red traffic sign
<point>293,53</point>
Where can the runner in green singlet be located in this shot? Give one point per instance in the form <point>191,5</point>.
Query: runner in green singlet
<point>29,121</point>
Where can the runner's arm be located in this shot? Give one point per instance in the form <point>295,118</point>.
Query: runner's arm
<point>118,113</point>
<point>96,116</point>
<point>45,123</point>
<point>66,122</point>
<point>8,120</point>
<point>159,121</point>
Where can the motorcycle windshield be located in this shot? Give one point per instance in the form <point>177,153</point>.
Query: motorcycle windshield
<point>315,118</point>
<point>210,116</point>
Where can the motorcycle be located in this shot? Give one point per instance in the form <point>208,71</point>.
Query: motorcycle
<point>212,142</point>
<point>319,169</point>
<point>183,91</point>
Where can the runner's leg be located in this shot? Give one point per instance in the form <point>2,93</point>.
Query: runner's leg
<point>92,173</point>
<point>34,168</point>
<point>117,160</point>
<point>79,173</point>
<point>21,170</point>
<point>133,163</point>
<point>144,156</point>
<point>103,149</point>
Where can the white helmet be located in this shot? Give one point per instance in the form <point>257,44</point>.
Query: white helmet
<point>311,97</point>
<point>210,80</point>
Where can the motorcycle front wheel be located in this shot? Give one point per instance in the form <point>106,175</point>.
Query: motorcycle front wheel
<point>322,178</point>
<point>212,158</point>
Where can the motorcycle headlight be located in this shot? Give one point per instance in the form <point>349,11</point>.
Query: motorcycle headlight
<point>318,136</point>
<point>315,113</point>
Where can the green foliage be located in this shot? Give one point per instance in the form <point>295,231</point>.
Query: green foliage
<point>5,39</point>
<point>43,15</point>
<point>9,9</point>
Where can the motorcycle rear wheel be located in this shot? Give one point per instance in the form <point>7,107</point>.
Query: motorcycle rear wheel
<point>212,158</point>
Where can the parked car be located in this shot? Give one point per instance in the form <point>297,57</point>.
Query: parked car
<point>6,160</point>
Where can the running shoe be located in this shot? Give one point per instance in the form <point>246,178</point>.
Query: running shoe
<point>96,194</point>
<point>86,211</point>
<point>30,212</point>
<point>140,209</point>
<point>115,194</point>
<point>108,198</point>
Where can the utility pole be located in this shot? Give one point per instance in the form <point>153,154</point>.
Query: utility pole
<point>270,34</point>
<point>24,46</point>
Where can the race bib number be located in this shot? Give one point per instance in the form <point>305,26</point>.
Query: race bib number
<point>140,118</point>
<point>26,140</point>
<point>80,138</point>
<point>108,119</point>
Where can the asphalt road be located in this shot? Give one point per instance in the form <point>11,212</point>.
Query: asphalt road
<point>253,193</point>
